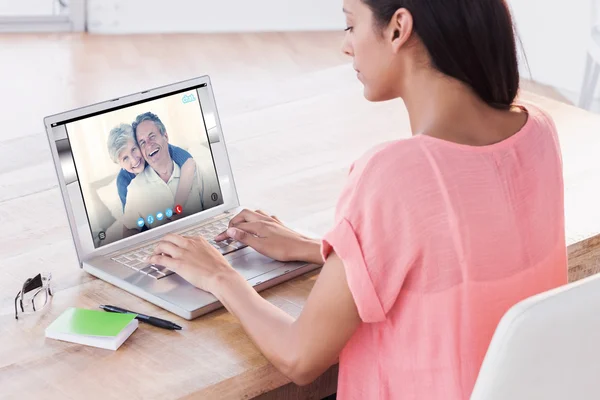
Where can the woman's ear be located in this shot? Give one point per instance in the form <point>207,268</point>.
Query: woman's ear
<point>401,27</point>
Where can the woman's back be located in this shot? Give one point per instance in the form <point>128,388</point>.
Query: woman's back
<point>439,240</point>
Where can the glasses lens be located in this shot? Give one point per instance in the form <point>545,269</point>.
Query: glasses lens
<point>35,301</point>
<point>40,299</point>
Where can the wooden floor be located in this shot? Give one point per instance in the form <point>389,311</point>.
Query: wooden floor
<point>46,74</point>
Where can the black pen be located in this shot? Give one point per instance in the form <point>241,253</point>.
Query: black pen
<point>161,323</point>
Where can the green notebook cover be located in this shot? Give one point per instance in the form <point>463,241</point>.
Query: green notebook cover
<point>79,321</point>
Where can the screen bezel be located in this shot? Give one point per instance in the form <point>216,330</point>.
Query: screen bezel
<point>71,191</point>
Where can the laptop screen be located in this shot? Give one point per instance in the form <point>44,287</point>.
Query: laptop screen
<point>144,165</point>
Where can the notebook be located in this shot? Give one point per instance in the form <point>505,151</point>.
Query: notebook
<point>93,328</point>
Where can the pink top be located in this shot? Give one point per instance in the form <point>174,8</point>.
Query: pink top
<point>439,240</point>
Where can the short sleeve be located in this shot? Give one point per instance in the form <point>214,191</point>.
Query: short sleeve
<point>371,235</point>
<point>179,155</point>
<point>343,240</point>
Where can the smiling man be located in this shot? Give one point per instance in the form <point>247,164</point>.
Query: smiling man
<point>154,190</point>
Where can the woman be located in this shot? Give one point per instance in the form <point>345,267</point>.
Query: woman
<point>436,236</point>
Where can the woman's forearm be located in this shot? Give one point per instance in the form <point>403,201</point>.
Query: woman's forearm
<point>270,328</point>
<point>309,250</point>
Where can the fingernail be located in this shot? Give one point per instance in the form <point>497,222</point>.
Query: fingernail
<point>231,232</point>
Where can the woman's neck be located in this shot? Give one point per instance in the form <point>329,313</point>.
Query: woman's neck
<point>445,108</point>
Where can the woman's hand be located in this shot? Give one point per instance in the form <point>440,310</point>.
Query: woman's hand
<point>195,260</point>
<point>267,235</point>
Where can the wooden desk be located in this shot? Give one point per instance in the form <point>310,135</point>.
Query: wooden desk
<point>290,145</point>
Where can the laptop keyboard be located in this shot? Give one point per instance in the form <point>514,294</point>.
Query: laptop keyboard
<point>136,259</point>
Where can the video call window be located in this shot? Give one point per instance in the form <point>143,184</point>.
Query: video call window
<point>143,166</point>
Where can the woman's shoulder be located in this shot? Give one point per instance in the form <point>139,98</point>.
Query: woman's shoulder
<point>538,116</point>
<point>394,159</point>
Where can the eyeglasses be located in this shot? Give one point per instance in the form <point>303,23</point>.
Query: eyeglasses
<point>34,295</point>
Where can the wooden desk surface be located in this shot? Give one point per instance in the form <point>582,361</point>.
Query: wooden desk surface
<point>290,145</point>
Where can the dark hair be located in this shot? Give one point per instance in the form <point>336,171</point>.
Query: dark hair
<point>148,116</point>
<point>470,40</point>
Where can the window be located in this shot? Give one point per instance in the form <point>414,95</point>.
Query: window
<point>42,15</point>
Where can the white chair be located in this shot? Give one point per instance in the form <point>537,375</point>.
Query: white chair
<point>592,66</point>
<point>546,347</point>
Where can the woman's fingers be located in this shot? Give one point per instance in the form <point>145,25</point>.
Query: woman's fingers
<point>243,237</point>
<point>245,216</point>
<point>168,249</point>
<point>249,233</point>
<point>221,236</point>
<point>256,229</point>
<point>269,217</point>
<point>242,217</point>
<point>165,261</point>
<point>177,240</point>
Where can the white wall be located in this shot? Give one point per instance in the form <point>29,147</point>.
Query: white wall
<point>553,32</point>
<point>554,35</point>
<point>151,16</point>
<point>26,8</point>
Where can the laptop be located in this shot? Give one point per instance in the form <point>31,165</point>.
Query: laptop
<point>135,168</point>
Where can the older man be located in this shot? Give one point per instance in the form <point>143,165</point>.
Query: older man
<point>153,191</point>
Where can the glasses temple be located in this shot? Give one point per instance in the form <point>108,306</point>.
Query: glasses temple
<point>16,309</point>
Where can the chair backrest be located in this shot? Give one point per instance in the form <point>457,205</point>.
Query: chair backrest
<point>546,347</point>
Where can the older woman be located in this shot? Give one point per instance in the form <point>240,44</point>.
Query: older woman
<point>124,150</point>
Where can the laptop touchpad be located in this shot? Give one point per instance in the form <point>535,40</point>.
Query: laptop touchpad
<point>253,264</point>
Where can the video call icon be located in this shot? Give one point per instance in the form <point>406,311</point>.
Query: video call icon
<point>102,235</point>
<point>141,222</point>
<point>188,98</point>
<point>150,219</point>
<point>178,209</point>
<point>169,213</point>
<point>160,216</point>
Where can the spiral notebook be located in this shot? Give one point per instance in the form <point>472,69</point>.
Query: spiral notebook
<point>93,328</point>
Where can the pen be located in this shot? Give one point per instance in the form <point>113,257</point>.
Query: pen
<point>161,323</point>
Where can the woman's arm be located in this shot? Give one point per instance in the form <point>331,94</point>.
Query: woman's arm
<point>123,180</point>
<point>188,170</point>
<point>302,349</point>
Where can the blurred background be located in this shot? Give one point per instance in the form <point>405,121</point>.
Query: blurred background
<point>276,38</point>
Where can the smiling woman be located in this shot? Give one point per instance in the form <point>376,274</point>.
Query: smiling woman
<point>123,149</point>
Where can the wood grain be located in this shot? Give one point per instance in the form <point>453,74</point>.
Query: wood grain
<point>294,119</point>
